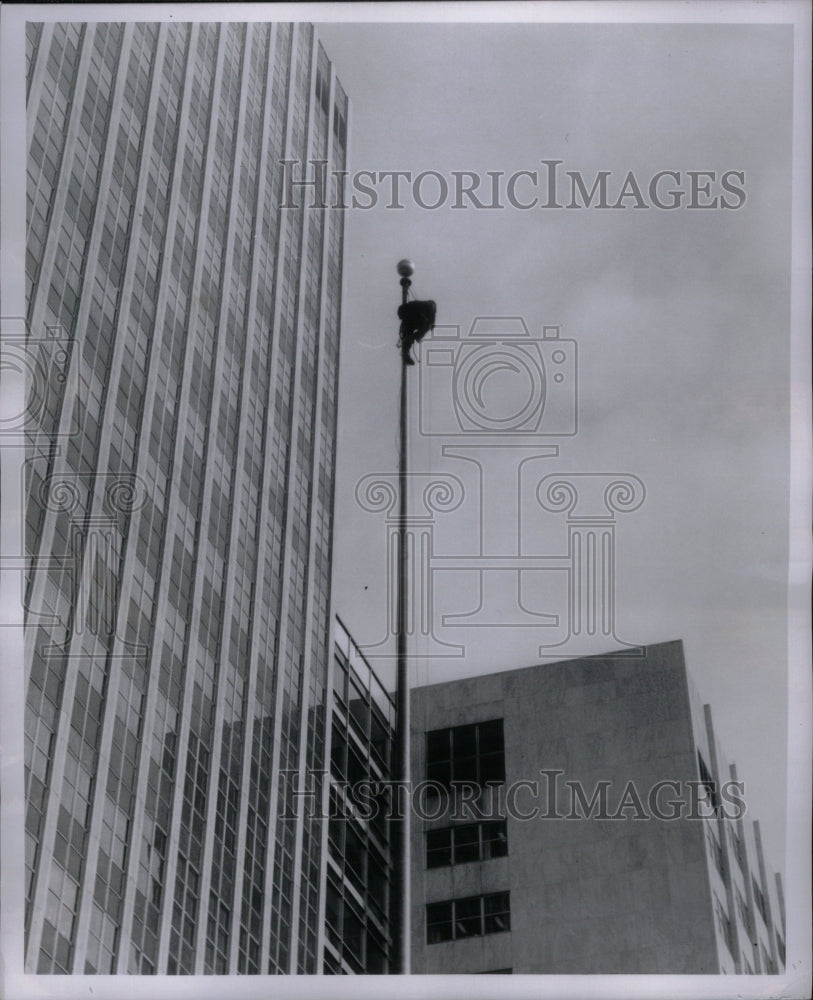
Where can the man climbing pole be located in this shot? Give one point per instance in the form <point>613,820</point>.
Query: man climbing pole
<point>417,319</point>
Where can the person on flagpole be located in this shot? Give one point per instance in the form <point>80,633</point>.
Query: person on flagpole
<point>417,319</point>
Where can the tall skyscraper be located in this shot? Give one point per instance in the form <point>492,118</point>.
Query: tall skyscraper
<point>184,327</point>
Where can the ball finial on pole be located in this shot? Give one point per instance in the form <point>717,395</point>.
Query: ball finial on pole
<point>406,269</point>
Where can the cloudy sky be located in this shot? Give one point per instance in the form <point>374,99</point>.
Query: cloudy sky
<point>681,318</point>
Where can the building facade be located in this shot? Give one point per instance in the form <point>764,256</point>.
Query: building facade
<point>596,827</point>
<point>183,328</point>
<point>359,875</point>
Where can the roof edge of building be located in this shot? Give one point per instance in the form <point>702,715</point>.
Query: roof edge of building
<point>629,654</point>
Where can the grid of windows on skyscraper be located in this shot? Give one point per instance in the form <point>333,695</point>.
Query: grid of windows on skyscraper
<point>184,333</point>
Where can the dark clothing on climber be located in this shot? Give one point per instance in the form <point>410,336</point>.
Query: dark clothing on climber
<point>417,319</point>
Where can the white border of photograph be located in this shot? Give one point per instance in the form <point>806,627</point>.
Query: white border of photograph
<point>795,982</point>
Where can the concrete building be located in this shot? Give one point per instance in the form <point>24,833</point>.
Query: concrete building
<point>184,331</point>
<point>602,830</point>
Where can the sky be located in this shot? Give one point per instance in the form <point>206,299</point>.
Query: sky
<point>681,320</point>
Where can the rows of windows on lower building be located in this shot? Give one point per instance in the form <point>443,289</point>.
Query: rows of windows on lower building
<point>724,924</point>
<point>356,939</point>
<point>720,856</point>
<point>358,892</point>
<point>759,900</point>
<point>455,845</point>
<point>471,753</point>
<point>359,881</point>
<point>470,916</point>
<point>368,709</point>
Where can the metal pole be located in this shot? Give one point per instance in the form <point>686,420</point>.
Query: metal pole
<point>401,929</point>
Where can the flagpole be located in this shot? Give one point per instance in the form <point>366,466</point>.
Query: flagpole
<point>401,930</point>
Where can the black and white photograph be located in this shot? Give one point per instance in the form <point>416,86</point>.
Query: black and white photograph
<point>406,487</point>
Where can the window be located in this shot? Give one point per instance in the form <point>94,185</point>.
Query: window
<point>494,840</point>
<point>340,127</point>
<point>759,899</point>
<point>439,848</point>
<point>354,853</point>
<point>473,753</point>
<point>497,913</point>
<point>456,845</point>
<point>723,922</point>
<point>380,735</point>
<point>768,964</point>
<point>338,751</point>
<point>352,925</point>
<point>739,847</point>
<point>716,850</point>
<point>742,909</point>
<point>708,783</point>
<point>780,947</point>
<point>472,916</point>
<point>439,922</point>
<point>466,841</point>
<point>357,767</point>
<point>323,89</point>
<point>468,917</point>
<point>340,677</point>
<point>359,706</point>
